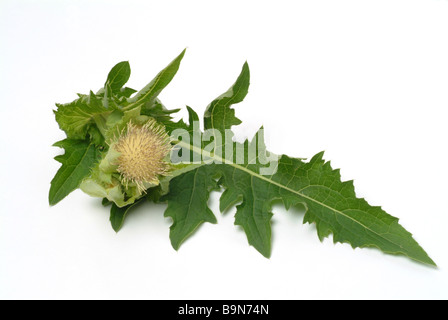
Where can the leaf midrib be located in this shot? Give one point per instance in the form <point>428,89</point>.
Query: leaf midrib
<point>261,177</point>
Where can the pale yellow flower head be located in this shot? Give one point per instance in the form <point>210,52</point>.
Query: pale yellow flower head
<point>143,151</point>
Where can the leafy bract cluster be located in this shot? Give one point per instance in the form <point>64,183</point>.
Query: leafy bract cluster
<point>100,125</point>
<point>94,123</point>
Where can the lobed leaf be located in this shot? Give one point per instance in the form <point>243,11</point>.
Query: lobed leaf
<point>77,117</point>
<point>150,92</point>
<point>187,203</point>
<point>118,215</point>
<point>79,158</point>
<point>218,114</point>
<point>331,203</point>
<point>118,76</point>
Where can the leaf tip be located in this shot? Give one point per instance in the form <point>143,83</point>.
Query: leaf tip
<point>427,261</point>
<point>182,54</point>
<point>318,157</point>
<point>176,245</point>
<point>267,255</point>
<point>246,68</point>
<point>52,199</point>
<point>115,226</point>
<point>433,264</point>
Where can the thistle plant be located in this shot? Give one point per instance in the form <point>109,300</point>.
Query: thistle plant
<point>123,146</point>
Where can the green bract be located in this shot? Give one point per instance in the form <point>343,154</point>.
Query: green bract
<point>124,147</point>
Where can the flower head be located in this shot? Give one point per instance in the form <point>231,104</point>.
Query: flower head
<point>142,153</point>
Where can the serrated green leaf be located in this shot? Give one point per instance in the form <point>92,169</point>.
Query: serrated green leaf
<point>331,203</point>
<point>118,215</point>
<point>150,92</point>
<point>77,117</point>
<point>118,76</point>
<point>218,114</point>
<point>187,203</point>
<point>80,156</point>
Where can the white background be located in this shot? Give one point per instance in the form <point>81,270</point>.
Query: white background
<point>367,81</point>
